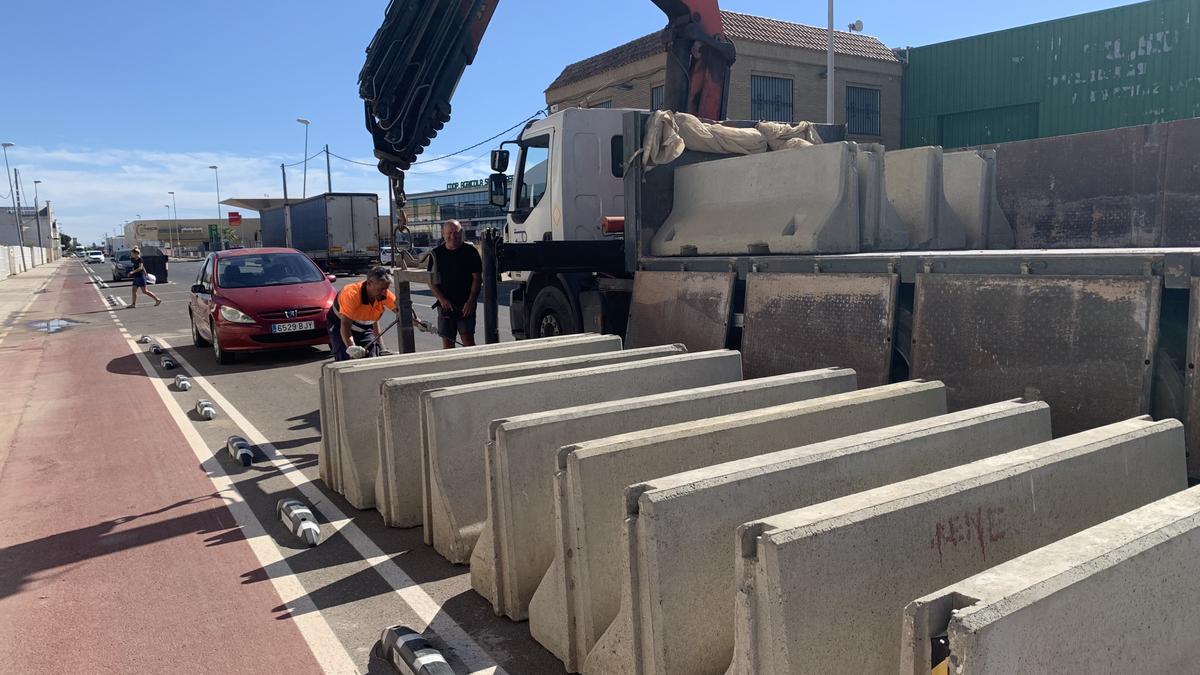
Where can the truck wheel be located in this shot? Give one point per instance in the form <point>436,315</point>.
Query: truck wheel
<point>551,314</point>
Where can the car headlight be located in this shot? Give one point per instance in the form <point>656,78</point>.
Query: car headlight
<point>235,315</point>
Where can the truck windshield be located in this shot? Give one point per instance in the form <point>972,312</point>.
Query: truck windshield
<point>531,186</point>
<point>266,269</point>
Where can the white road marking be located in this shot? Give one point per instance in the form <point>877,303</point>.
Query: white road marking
<point>408,590</point>
<point>328,650</point>
<point>306,379</point>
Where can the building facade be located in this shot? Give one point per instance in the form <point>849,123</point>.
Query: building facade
<point>30,219</point>
<point>1131,65</point>
<point>466,202</point>
<point>191,235</point>
<point>779,75</point>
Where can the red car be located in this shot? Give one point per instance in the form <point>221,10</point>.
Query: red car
<point>253,299</point>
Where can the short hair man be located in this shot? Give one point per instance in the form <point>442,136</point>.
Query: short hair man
<point>354,317</point>
<point>457,274</point>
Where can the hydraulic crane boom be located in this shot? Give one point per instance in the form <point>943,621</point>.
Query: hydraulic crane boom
<point>418,55</point>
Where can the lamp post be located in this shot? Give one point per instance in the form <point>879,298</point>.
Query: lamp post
<point>304,181</point>
<point>12,193</point>
<point>216,177</point>
<point>178,234</point>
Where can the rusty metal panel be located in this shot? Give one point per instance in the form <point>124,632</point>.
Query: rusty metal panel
<point>1191,387</point>
<point>798,322</point>
<point>1084,344</point>
<point>692,308</point>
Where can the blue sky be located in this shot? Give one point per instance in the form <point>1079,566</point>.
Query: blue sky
<point>121,101</point>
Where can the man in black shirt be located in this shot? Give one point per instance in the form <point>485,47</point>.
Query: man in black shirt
<point>457,273</point>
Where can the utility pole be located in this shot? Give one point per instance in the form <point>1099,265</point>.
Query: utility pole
<point>328,174</point>
<point>829,68</point>
<point>13,194</point>
<point>37,212</point>
<point>20,225</point>
<point>287,210</point>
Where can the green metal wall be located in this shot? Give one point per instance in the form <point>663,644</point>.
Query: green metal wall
<point>1129,65</point>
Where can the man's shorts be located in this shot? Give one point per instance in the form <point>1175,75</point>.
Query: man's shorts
<point>452,324</point>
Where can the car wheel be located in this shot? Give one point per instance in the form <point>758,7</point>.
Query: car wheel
<point>223,357</point>
<point>551,314</point>
<point>197,340</point>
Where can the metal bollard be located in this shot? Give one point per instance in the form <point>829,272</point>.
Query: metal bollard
<point>408,652</point>
<point>299,520</point>
<point>239,449</point>
<point>182,383</point>
<point>206,409</point>
<point>144,340</point>
<point>168,363</point>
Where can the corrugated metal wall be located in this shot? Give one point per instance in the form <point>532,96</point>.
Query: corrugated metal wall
<point>1130,65</point>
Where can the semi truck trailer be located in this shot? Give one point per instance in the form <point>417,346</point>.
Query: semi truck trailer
<point>339,231</point>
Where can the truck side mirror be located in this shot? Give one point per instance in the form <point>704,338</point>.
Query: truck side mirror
<point>499,161</point>
<point>498,187</point>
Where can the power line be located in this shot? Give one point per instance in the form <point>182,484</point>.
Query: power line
<point>486,140</point>
<point>315,154</point>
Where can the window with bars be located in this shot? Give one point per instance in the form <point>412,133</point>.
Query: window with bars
<point>656,97</point>
<point>771,98</point>
<point>862,111</point>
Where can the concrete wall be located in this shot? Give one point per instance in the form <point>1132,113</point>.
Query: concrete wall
<point>1119,597</point>
<point>455,423</point>
<point>823,588</point>
<point>593,476</point>
<point>401,457</point>
<point>518,540</point>
<point>804,66</point>
<point>350,389</point>
<point>678,609</point>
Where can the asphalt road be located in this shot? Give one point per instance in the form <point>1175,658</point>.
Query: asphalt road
<point>276,393</point>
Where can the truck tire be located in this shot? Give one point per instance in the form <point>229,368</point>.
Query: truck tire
<point>552,314</point>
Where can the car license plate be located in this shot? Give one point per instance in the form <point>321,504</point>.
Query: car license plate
<point>294,327</point>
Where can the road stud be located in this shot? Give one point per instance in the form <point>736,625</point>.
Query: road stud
<point>239,449</point>
<point>206,409</point>
<point>182,383</point>
<point>298,518</point>
<point>409,653</point>
<point>144,340</point>
<point>155,348</point>
<point>168,363</point>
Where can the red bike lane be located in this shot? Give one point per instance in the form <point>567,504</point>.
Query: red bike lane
<point>116,555</point>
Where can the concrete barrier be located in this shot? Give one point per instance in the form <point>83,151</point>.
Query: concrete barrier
<point>823,589</point>
<point>351,400</point>
<point>400,457</point>
<point>581,592</point>
<point>969,181</point>
<point>518,540</point>
<point>803,200</point>
<point>677,604</point>
<point>1119,597</point>
<point>455,423</point>
<point>882,229</point>
<point>914,187</point>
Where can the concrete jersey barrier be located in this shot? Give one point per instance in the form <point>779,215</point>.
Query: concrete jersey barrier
<point>677,609</point>
<point>1127,585</point>
<point>823,589</point>
<point>455,422</point>
<point>331,423</point>
<point>518,540</point>
<point>581,592</point>
<point>400,442</point>
<point>355,399</point>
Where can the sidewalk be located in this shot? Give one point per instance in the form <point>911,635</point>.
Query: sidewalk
<point>116,554</point>
<point>18,291</point>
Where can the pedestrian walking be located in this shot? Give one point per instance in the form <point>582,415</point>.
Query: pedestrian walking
<point>138,278</point>
<point>457,275</point>
<point>354,317</point>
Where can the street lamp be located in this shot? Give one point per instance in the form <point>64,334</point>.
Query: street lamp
<point>16,212</point>
<point>217,178</point>
<point>169,240</point>
<point>178,235</point>
<point>304,181</point>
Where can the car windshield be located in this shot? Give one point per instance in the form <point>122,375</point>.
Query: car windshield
<point>123,256</point>
<point>266,269</point>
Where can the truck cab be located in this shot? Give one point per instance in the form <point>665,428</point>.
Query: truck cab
<point>568,177</point>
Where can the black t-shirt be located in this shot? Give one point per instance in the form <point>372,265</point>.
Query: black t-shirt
<point>453,269</point>
<point>137,262</point>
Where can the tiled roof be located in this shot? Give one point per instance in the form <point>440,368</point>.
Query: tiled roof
<point>737,27</point>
